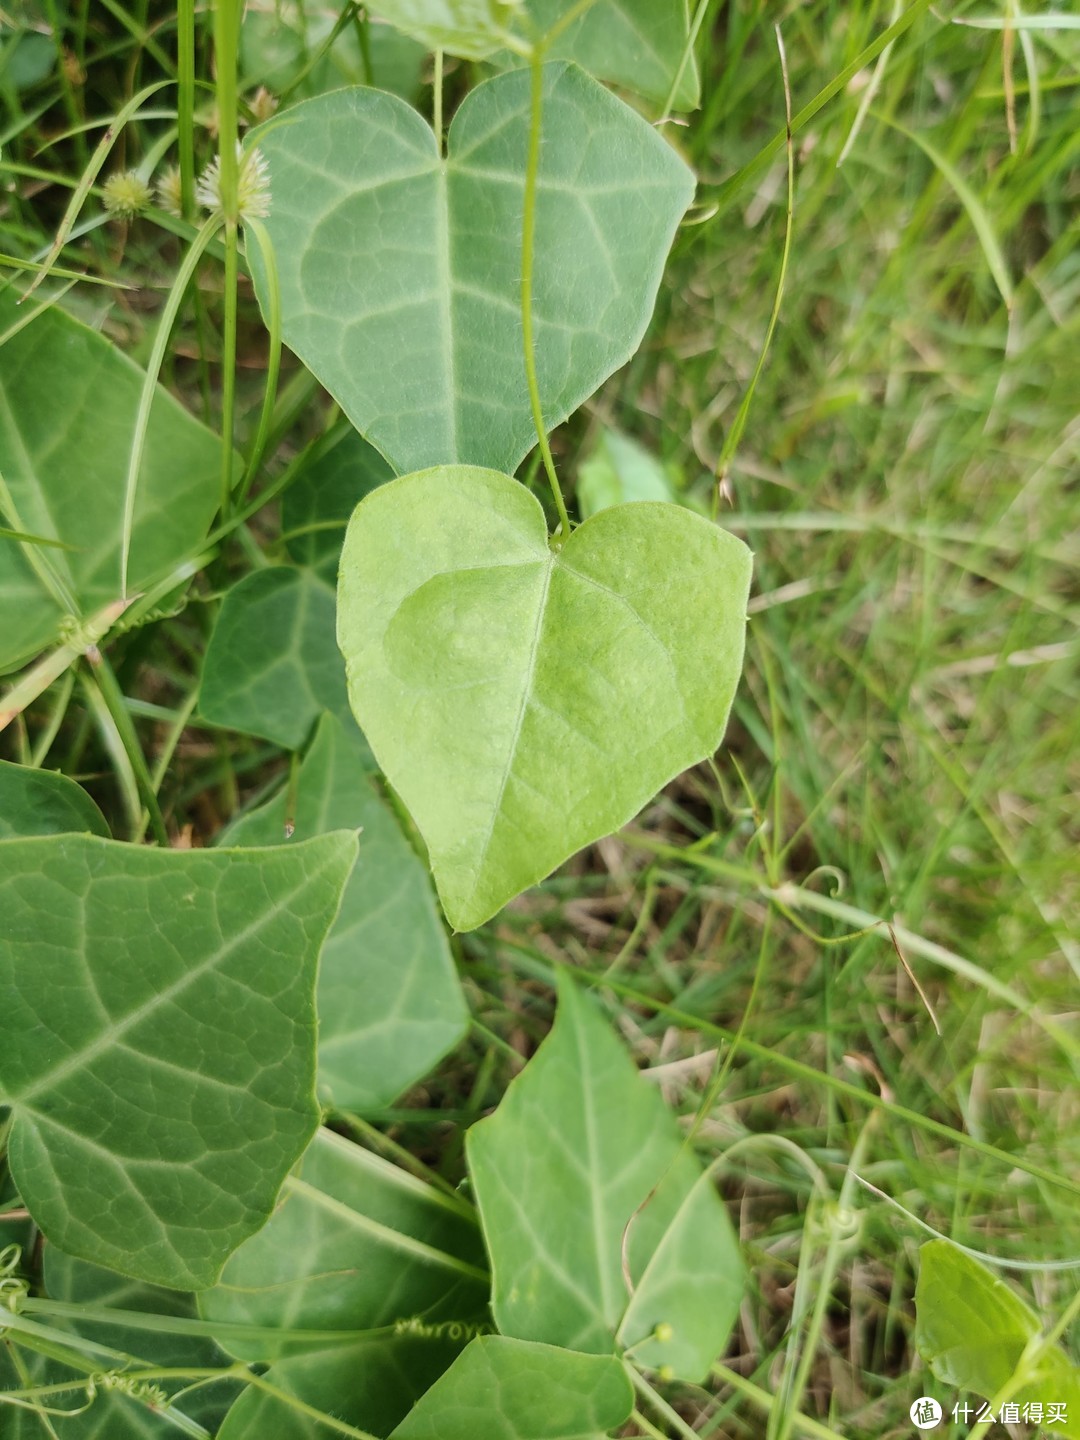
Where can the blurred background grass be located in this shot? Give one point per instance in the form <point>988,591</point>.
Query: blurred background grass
<point>905,740</point>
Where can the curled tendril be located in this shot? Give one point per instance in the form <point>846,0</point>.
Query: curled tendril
<point>13,1288</point>
<point>121,1384</point>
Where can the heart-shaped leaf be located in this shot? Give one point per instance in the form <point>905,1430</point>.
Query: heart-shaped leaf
<point>513,1390</point>
<point>390,1004</point>
<point>157,1040</point>
<point>400,272</point>
<point>580,1158</point>
<point>525,701</point>
<point>68,401</point>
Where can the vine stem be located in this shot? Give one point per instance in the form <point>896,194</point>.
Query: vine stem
<point>109,687</point>
<point>157,357</point>
<point>185,69</point>
<point>228,359</point>
<point>528,247</point>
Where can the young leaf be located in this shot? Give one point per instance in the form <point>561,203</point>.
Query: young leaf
<point>42,802</point>
<point>401,272</point>
<point>579,1149</point>
<point>972,1329</point>
<point>316,507</point>
<point>636,43</point>
<point>619,470</point>
<point>390,1005</point>
<point>157,1041</point>
<point>68,401</point>
<point>354,1245</point>
<point>271,666</point>
<point>524,701</point>
<point>473,29</point>
<point>513,1390</point>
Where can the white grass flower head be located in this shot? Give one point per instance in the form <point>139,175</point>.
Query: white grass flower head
<point>170,191</point>
<point>252,188</point>
<point>125,194</point>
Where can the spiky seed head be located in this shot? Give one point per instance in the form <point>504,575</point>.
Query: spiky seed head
<point>125,194</point>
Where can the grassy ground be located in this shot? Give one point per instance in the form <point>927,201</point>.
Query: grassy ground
<point>905,742</point>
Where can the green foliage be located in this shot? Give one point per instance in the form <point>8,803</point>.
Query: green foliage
<point>41,802</point>
<point>292,47</point>
<point>457,618</point>
<point>598,1222</point>
<point>400,272</point>
<point>976,1334</point>
<point>68,402</point>
<point>471,28</point>
<point>317,505</point>
<point>616,471</point>
<point>355,1244</point>
<point>904,734</point>
<point>514,1390</point>
<point>271,666</point>
<point>390,1004</point>
<point>643,45</point>
<point>161,1105</point>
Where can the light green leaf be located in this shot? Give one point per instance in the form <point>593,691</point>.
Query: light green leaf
<point>579,1149</point>
<point>401,272</point>
<point>42,802</point>
<point>513,1390</point>
<point>390,1005</point>
<point>619,470</point>
<point>157,1041</point>
<point>972,1329</point>
<point>473,29</point>
<point>371,1384</point>
<point>68,400</point>
<point>271,666</point>
<point>317,505</point>
<point>523,701</point>
<point>355,1245</point>
<point>636,43</point>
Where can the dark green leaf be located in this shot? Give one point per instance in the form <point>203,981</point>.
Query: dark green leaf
<point>272,665</point>
<point>401,272</point>
<point>513,1390</point>
<point>355,1245</point>
<point>68,401</point>
<point>318,503</point>
<point>157,1040</point>
<point>390,1004</point>
<point>41,802</point>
